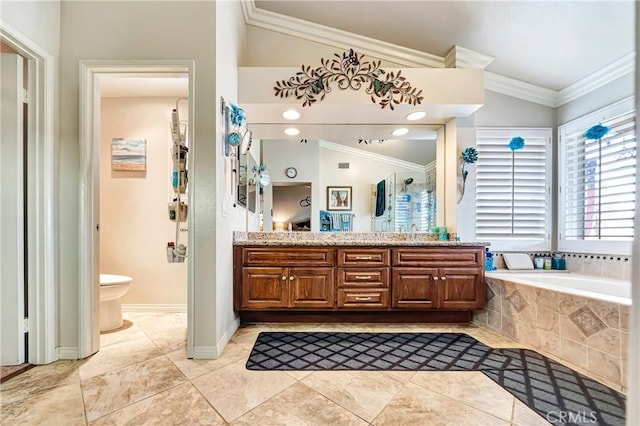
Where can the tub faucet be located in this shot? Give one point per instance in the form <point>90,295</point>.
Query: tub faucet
<point>403,228</point>
<point>414,227</point>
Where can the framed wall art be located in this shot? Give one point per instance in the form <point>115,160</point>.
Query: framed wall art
<point>338,198</point>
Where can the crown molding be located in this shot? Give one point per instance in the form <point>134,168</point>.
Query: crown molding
<point>603,76</point>
<point>461,57</point>
<point>520,89</point>
<point>458,56</point>
<point>371,156</point>
<point>334,37</point>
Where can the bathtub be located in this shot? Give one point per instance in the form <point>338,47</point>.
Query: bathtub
<point>599,288</point>
<point>576,318</point>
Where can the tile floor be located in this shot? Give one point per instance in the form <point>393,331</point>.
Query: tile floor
<point>142,376</point>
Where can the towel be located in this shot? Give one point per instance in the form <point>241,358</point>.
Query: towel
<point>380,196</point>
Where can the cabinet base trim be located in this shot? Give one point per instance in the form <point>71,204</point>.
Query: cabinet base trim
<point>437,317</point>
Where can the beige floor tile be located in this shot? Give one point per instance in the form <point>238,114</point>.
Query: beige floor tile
<point>415,405</point>
<point>114,390</point>
<point>119,355</point>
<point>299,405</point>
<point>180,405</point>
<point>38,380</point>
<point>56,406</point>
<point>193,368</point>
<point>365,393</point>
<point>170,340</point>
<point>299,375</point>
<point>469,387</point>
<point>233,390</point>
<point>525,416</point>
<point>153,324</point>
<point>111,338</point>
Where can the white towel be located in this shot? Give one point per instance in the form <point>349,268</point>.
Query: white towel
<point>517,261</point>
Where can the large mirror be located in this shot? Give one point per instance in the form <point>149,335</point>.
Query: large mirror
<point>406,166</point>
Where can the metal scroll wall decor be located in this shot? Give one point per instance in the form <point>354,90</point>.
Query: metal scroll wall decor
<point>349,71</point>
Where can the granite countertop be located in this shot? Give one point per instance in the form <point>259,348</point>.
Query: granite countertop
<point>302,239</point>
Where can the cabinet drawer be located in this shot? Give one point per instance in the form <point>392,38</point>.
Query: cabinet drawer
<point>369,277</point>
<point>371,299</point>
<point>288,256</point>
<point>438,257</point>
<point>363,257</point>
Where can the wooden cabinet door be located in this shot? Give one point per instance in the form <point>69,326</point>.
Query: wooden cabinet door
<point>461,288</point>
<point>311,287</point>
<point>264,288</point>
<point>414,288</point>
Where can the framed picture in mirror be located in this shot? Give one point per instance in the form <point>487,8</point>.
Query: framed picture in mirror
<point>338,198</point>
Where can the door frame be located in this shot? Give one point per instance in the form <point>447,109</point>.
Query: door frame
<point>89,122</point>
<point>42,175</point>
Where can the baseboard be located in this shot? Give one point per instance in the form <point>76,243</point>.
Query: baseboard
<point>226,337</point>
<point>205,352</point>
<point>67,352</point>
<point>153,307</point>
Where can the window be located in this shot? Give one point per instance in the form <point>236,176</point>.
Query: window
<point>597,182</point>
<point>513,189</point>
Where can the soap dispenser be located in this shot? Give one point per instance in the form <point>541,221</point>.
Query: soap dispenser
<point>488,260</point>
<point>558,262</point>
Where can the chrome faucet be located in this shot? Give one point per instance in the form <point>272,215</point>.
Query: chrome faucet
<point>414,227</point>
<point>403,228</point>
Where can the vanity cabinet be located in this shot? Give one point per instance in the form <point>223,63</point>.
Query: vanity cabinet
<point>436,278</point>
<point>388,283</point>
<point>287,278</point>
<point>363,278</point>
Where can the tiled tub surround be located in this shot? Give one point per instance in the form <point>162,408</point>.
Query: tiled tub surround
<point>590,335</point>
<point>600,265</point>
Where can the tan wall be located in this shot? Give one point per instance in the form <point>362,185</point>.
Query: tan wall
<point>134,225</point>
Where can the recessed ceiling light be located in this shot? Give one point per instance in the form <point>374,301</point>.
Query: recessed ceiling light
<point>291,114</point>
<point>292,131</point>
<point>417,115</point>
<point>401,131</point>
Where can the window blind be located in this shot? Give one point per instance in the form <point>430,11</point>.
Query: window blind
<point>513,187</point>
<point>598,182</point>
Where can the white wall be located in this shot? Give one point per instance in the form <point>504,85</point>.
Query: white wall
<point>150,30</point>
<point>134,223</point>
<point>218,298</point>
<point>606,95</point>
<point>363,172</point>
<point>277,155</point>
<point>37,20</point>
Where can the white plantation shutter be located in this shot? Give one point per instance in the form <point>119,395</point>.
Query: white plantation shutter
<point>598,181</point>
<point>513,189</point>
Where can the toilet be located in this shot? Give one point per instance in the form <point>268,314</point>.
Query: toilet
<point>112,288</point>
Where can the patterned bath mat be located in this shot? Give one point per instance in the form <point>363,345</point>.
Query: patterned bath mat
<point>374,351</point>
<point>559,394</point>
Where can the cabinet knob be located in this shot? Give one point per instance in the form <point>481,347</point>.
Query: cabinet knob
<point>436,278</point>
<point>363,277</point>
<point>284,278</point>
<point>363,257</point>
<point>363,299</point>
<point>291,278</point>
<point>443,278</point>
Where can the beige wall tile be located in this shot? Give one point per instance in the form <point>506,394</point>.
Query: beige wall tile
<point>480,318</point>
<point>549,342</point>
<point>568,330</point>
<point>528,316</point>
<point>526,333</point>
<point>624,317</point>
<point>509,327</point>
<point>494,320</point>
<point>547,299</point>
<point>574,264</point>
<point>606,311</point>
<point>592,266</point>
<point>605,365</point>
<point>568,303</point>
<point>624,345</point>
<point>607,340</point>
<point>548,320</point>
<point>575,352</point>
<point>613,268</point>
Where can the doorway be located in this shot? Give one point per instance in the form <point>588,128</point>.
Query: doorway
<point>93,75</point>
